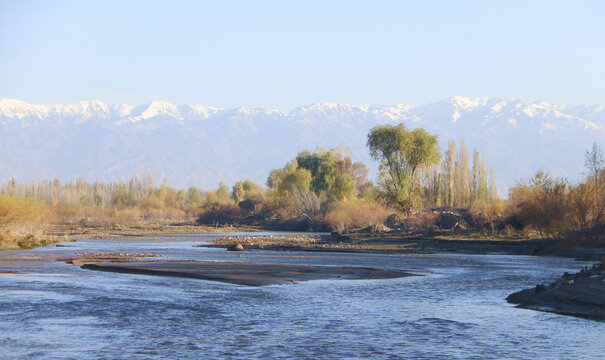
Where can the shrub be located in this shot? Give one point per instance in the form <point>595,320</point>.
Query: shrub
<point>219,214</point>
<point>490,214</point>
<point>15,210</point>
<point>355,214</point>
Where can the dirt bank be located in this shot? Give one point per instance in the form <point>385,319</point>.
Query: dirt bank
<point>395,242</point>
<point>581,294</point>
<point>141,228</point>
<point>311,242</point>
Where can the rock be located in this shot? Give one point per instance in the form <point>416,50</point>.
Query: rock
<point>247,206</point>
<point>380,228</point>
<point>450,221</point>
<point>431,230</point>
<point>236,247</point>
<point>460,226</point>
<point>375,229</point>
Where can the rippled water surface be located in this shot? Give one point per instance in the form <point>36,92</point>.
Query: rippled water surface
<point>455,308</point>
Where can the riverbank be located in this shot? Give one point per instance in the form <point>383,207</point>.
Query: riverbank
<point>399,242</point>
<point>308,242</point>
<point>469,242</point>
<point>60,233</point>
<point>139,228</point>
<point>10,240</point>
<point>581,294</point>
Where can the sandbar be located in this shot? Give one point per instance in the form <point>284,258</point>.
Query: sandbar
<point>251,274</point>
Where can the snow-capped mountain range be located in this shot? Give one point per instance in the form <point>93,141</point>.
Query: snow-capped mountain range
<point>203,145</point>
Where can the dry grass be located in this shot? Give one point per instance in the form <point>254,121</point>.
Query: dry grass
<point>356,214</point>
<point>15,241</point>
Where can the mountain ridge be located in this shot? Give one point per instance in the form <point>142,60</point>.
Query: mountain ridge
<point>11,108</point>
<point>203,145</point>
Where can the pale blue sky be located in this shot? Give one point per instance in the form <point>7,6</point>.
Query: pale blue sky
<point>284,54</point>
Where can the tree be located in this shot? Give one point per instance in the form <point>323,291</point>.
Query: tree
<point>448,168</point>
<point>401,154</point>
<point>493,190</point>
<point>594,162</point>
<point>193,196</point>
<point>290,179</point>
<point>482,190</point>
<point>333,172</point>
<point>475,177</point>
<point>463,179</point>
<point>343,187</point>
<point>238,192</point>
<point>322,166</point>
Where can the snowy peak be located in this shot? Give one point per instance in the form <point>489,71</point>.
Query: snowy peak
<point>17,109</point>
<point>455,109</point>
<point>206,145</point>
<point>197,112</point>
<point>161,109</point>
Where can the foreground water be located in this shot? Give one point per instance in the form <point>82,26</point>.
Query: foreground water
<point>455,310</point>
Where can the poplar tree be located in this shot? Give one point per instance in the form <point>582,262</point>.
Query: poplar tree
<point>465,177</point>
<point>493,190</point>
<point>448,169</point>
<point>475,177</point>
<point>483,190</point>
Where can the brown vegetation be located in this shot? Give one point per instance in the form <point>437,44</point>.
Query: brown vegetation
<point>356,214</point>
<point>22,223</point>
<point>326,190</point>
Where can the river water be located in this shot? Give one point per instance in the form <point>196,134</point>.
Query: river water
<point>453,309</point>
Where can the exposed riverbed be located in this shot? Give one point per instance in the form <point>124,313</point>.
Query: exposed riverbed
<point>456,310</point>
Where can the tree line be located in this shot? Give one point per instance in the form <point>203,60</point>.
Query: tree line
<point>412,173</point>
<point>325,189</point>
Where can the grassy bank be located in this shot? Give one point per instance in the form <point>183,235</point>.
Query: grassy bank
<point>17,241</point>
<point>140,228</point>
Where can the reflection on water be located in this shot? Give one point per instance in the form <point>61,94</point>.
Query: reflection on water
<point>456,310</point>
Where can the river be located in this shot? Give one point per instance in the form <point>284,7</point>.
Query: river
<point>453,309</point>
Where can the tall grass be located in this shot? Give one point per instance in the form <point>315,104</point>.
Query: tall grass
<point>22,222</point>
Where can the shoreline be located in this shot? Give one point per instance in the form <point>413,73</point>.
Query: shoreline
<point>393,242</point>
<point>581,295</point>
<point>399,243</point>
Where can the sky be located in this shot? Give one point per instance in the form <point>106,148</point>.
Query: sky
<point>284,54</point>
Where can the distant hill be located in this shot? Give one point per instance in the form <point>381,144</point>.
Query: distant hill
<point>202,145</point>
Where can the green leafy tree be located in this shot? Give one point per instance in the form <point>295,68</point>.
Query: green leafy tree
<point>238,192</point>
<point>343,187</point>
<point>124,198</point>
<point>193,196</point>
<point>402,153</point>
<point>322,166</point>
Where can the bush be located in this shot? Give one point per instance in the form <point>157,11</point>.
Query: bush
<point>13,240</point>
<point>15,210</point>
<point>355,214</point>
<point>489,215</point>
<point>415,219</point>
<point>219,214</point>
